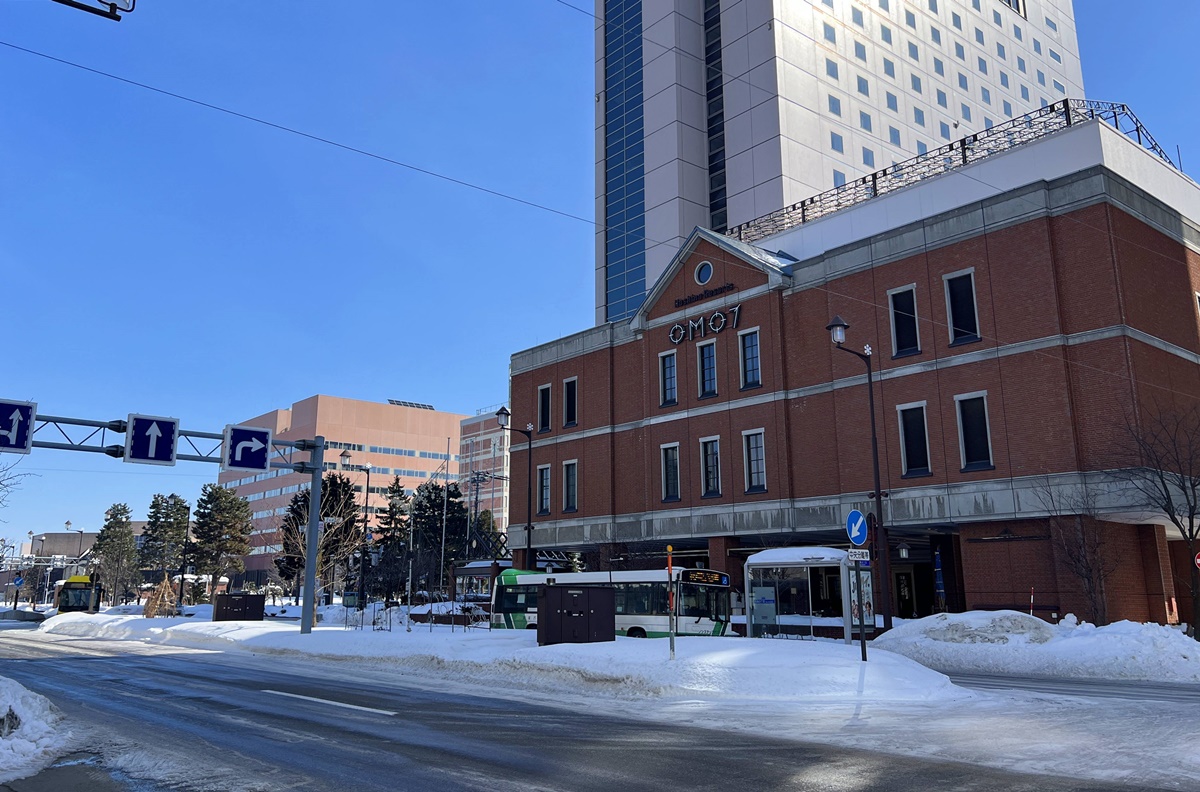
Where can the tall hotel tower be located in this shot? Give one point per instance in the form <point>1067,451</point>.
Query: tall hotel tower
<point>716,112</point>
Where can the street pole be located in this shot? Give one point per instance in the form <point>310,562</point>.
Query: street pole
<point>837,329</point>
<point>317,465</point>
<point>502,416</point>
<point>362,561</point>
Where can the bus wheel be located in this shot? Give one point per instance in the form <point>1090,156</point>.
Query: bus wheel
<point>635,632</point>
<point>531,626</point>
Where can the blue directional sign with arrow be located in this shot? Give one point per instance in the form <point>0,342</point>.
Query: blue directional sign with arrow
<point>246,448</point>
<point>16,426</point>
<point>856,527</point>
<point>151,439</point>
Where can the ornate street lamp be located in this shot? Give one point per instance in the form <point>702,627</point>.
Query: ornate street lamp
<point>502,416</point>
<point>837,333</point>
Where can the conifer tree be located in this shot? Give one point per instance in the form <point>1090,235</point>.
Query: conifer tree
<point>116,551</point>
<point>222,532</point>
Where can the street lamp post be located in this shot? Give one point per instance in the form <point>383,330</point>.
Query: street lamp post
<point>79,555</point>
<point>362,556</point>
<point>502,416</point>
<point>837,332</point>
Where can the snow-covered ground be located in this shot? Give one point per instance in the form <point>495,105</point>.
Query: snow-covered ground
<point>29,733</point>
<point>810,690</point>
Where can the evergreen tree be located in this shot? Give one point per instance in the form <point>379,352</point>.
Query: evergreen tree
<point>425,524</point>
<point>222,532</point>
<point>390,574</point>
<point>165,534</point>
<point>116,551</point>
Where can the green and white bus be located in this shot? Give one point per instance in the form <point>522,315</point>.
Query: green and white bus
<point>701,597</point>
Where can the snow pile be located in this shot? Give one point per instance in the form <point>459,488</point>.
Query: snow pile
<point>721,668</point>
<point>29,737</point>
<point>1008,642</point>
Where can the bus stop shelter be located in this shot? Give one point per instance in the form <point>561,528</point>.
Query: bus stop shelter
<point>804,592</point>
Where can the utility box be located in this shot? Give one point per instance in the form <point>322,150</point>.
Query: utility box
<point>239,607</point>
<point>576,614</point>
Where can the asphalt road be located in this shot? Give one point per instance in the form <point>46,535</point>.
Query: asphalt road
<point>214,721</point>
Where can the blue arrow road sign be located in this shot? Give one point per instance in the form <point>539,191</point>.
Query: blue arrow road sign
<point>16,426</point>
<point>151,440</point>
<point>856,527</point>
<point>18,582</point>
<point>246,448</point>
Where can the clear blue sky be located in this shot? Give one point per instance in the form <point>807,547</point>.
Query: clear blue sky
<point>164,258</point>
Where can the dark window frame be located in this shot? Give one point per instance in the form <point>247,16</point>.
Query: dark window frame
<point>544,407</point>
<point>961,330</point>
<point>900,321</point>
<point>571,402</point>
<point>543,488</point>
<point>750,455</point>
<point>977,437</point>
<point>668,395</point>
<point>570,485</point>
<point>706,373</point>
<point>750,361</point>
<point>710,467</point>
<point>669,496</point>
<point>910,454</point>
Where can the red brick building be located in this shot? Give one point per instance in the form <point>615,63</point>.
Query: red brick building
<point>1017,309</point>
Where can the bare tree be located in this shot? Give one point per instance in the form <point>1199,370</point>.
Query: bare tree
<point>342,533</point>
<point>1164,452</point>
<point>9,481</point>
<point>1079,535</point>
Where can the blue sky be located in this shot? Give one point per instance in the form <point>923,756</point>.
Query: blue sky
<point>164,258</point>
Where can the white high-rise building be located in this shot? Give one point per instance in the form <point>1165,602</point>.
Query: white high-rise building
<point>716,112</point>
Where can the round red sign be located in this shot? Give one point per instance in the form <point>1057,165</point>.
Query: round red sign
<point>1198,559</point>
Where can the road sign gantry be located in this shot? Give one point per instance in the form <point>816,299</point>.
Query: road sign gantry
<point>154,440</point>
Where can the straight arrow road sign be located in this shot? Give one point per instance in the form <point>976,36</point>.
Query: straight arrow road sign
<point>246,448</point>
<point>151,439</point>
<point>16,426</point>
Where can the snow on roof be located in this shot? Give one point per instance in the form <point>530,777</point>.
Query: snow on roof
<point>797,556</point>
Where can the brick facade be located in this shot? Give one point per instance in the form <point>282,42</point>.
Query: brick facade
<point>1083,313</point>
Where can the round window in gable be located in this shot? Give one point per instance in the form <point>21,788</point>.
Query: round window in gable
<point>704,272</point>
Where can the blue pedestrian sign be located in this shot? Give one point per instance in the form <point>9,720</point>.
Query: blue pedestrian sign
<point>151,440</point>
<point>16,426</point>
<point>856,527</point>
<point>246,448</point>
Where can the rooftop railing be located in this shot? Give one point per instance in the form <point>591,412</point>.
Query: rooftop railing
<point>998,139</point>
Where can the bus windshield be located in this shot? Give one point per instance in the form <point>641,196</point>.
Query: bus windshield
<point>703,602</point>
<point>516,599</point>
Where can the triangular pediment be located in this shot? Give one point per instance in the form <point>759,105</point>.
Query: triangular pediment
<point>710,266</point>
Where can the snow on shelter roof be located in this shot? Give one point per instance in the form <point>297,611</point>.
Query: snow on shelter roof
<point>797,556</point>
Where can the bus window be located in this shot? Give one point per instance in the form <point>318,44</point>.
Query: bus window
<point>703,602</point>
<point>516,599</point>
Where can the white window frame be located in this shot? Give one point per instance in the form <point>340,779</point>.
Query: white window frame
<point>662,383</point>
<point>746,459</point>
<point>662,472</point>
<point>900,408</point>
<point>974,300</point>
<point>892,314</point>
<point>713,439</point>
<point>742,358</point>
<point>566,463</point>
<point>700,369</point>
<point>549,485</point>
<point>987,426</point>
<point>549,422</point>
<point>564,396</point>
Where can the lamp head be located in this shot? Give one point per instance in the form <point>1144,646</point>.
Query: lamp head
<point>345,456</point>
<point>902,549</point>
<point>502,417</point>
<point>837,330</point>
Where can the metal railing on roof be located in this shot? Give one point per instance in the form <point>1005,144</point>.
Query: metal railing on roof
<point>998,139</point>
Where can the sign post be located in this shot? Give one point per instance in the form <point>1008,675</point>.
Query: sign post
<point>671,601</point>
<point>856,529</point>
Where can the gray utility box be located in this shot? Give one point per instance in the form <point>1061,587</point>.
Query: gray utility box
<point>576,614</point>
<point>239,607</point>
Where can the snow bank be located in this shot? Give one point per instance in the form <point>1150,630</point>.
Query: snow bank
<point>1009,642</point>
<point>731,668</point>
<point>29,737</point>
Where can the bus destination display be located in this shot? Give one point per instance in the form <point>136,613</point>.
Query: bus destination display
<point>709,577</point>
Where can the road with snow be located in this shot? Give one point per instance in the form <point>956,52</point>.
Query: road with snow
<point>195,719</point>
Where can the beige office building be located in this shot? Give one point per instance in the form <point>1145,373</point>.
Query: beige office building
<point>396,438</point>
